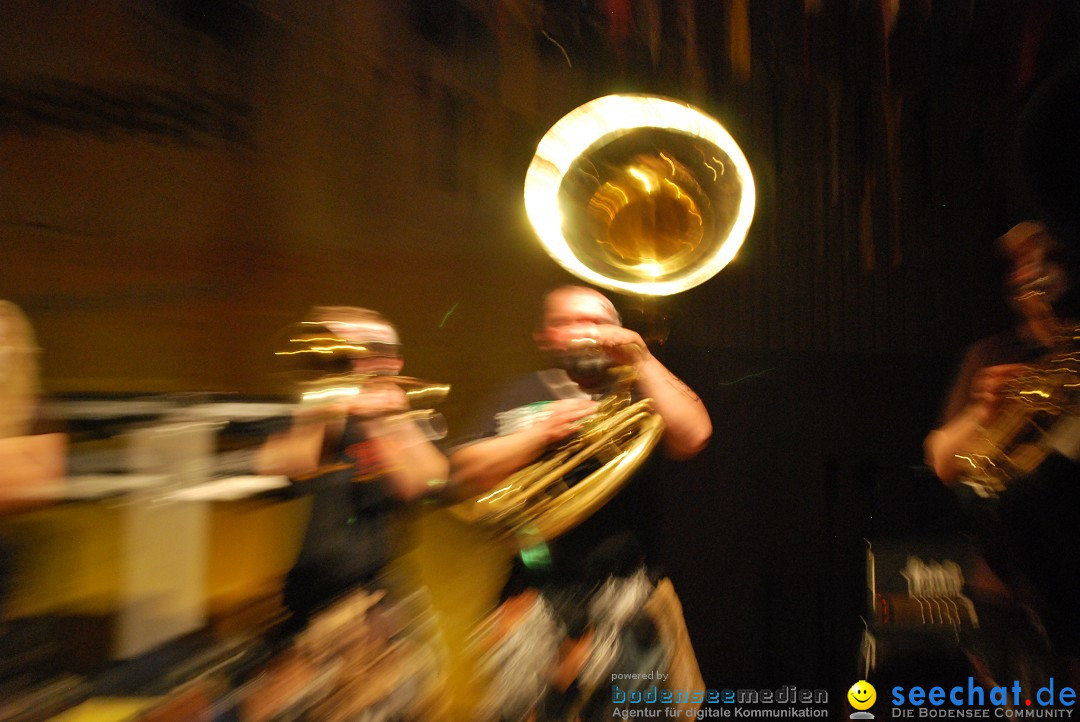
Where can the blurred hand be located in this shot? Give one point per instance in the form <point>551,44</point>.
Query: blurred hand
<point>564,418</point>
<point>625,347</point>
<point>987,389</point>
<point>375,399</point>
<point>378,398</point>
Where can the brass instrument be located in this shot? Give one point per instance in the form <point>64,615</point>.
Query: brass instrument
<point>539,502</point>
<point>1015,443</point>
<point>640,194</point>
<point>637,194</point>
<point>318,363</point>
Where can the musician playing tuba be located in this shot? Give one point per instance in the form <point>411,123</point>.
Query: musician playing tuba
<point>581,607</point>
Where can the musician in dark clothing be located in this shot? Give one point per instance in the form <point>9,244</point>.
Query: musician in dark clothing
<point>359,458</point>
<point>1029,529</point>
<point>1043,299</point>
<point>577,607</point>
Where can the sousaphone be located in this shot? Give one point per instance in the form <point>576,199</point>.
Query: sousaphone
<point>640,195</point>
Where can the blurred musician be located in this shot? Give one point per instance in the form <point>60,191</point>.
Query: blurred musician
<point>576,608</point>
<point>1029,529</point>
<point>32,467</point>
<point>1037,263</point>
<point>358,458</point>
<point>30,462</point>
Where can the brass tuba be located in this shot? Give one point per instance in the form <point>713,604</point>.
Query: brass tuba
<point>543,501</point>
<point>637,194</point>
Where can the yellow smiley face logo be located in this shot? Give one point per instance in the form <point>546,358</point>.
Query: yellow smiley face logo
<point>862,695</point>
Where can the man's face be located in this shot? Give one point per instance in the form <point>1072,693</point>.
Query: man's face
<point>382,354</point>
<point>378,365</point>
<point>572,314</point>
<point>569,327</point>
<point>1035,266</point>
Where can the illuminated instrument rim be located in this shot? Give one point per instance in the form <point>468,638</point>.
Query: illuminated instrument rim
<point>613,115</point>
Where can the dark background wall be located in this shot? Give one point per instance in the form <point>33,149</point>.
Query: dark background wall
<point>180,179</point>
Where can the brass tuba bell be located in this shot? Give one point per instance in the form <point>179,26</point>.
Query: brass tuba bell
<point>637,194</point>
<point>640,194</point>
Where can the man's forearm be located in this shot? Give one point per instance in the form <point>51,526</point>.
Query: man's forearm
<point>483,464</point>
<point>688,427</point>
<point>31,470</point>
<point>943,444</point>
<point>417,465</point>
<point>293,453</point>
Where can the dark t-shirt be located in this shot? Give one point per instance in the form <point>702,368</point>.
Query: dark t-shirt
<point>613,541</point>
<point>348,535</point>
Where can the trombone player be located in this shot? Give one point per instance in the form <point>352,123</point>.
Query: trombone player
<point>583,596</point>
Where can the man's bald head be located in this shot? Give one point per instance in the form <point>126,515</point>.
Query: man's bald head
<point>571,302</point>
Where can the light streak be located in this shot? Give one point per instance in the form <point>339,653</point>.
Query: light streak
<point>322,349</point>
<point>644,178</point>
<point>447,314</point>
<point>336,392</point>
<point>560,47</point>
<point>747,377</point>
<point>670,162</point>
